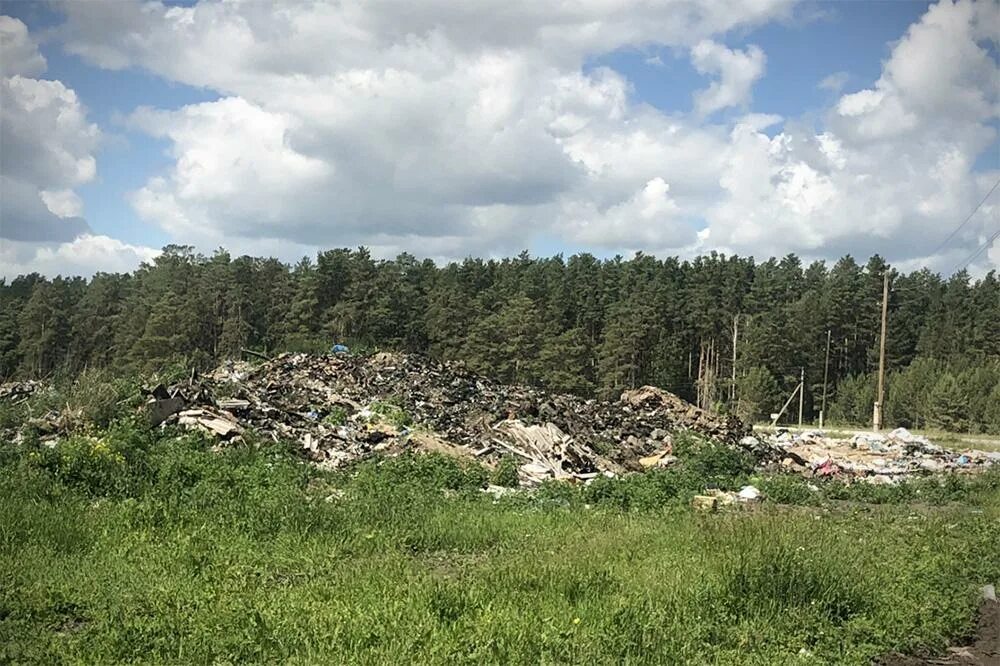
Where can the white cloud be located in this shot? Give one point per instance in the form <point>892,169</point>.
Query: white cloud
<point>84,255</point>
<point>47,144</point>
<point>892,171</point>
<point>48,149</point>
<point>62,203</point>
<point>737,72</point>
<point>993,253</point>
<point>456,128</point>
<point>834,82</point>
<point>47,139</point>
<point>649,219</point>
<point>18,52</point>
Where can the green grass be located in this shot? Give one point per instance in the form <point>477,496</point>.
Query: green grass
<point>125,547</point>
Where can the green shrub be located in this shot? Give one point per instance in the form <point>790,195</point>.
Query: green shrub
<point>788,489</point>
<point>337,416</point>
<point>412,471</point>
<point>391,413</point>
<point>101,397</point>
<point>505,473</point>
<point>92,464</point>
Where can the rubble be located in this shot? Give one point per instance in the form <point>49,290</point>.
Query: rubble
<point>15,392</point>
<point>714,499</point>
<point>341,408</point>
<point>867,456</point>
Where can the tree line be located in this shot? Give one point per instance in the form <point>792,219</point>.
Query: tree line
<point>727,332</point>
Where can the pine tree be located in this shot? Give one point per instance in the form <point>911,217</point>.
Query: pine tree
<point>757,395</point>
<point>949,404</point>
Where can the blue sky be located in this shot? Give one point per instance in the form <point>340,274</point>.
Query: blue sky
<point>802,45</point>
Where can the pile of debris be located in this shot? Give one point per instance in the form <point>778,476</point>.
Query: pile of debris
<point>16,392</point>
<point>341,408</point>
<point>867,456</point>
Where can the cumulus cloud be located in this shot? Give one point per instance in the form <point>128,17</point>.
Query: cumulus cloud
<point>449,123</point>
<point>649,219</point>
<point>48,149</point>
<point>457,128</point>
<point>737,72</point>
<point>18,52</point>
<point>62,203</point>
<point>25,216</point>
<point>893,171</point>
<point>84,255</point>
<point>47,139</point>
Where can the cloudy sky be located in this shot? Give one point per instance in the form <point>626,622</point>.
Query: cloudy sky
<point>448,128</point>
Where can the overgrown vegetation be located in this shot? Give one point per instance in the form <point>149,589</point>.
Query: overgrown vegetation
<point>579,324</point>
<point>121,544</point>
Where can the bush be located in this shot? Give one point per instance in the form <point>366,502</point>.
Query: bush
<point>102,397</point>
<point>412,471</point>
<point>391,413</point>
<point>91,464</point>
<point>788,489</point>
<point>712,462</point>
<point>505,473</point>
<point>337,416</point>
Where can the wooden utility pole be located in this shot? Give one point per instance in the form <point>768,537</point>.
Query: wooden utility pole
<point>732,389</point>
<point>774,421</point>
<point>877,412</point>
<point>826,373</point>
<point>802,391</point>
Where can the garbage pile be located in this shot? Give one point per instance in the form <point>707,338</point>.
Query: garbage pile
<point>15,392</point>
<point>866,456</point>
<point>341,408</point>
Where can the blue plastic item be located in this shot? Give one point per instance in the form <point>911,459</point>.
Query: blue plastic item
<point>340,349</point>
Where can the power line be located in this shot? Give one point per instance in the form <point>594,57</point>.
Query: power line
<point>989,241</point>
<point>965,221</point>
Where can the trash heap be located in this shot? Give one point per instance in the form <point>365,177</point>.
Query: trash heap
<point>341,408</point>
<point>15,392</point>
<point>866,456</point>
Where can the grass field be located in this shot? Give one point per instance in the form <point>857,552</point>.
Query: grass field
<point>125,547</point>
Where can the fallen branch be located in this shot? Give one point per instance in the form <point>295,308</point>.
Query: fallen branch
<point>255,353</point>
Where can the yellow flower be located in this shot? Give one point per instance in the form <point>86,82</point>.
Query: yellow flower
<point>576,620</point>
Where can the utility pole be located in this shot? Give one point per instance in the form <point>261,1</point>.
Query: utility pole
<point>877,412</point>
<point>732,389</point>
<point>774,421</point>
<point>826,373</point>
<point>802,391</point>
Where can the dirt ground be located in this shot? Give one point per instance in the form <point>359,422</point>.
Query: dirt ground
<point>983,650</point>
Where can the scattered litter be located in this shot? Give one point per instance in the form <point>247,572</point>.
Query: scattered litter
<point>876,458</point>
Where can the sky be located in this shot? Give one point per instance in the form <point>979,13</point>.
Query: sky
<point>450,129</point>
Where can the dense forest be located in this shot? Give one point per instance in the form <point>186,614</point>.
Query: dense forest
<point>580,324</point>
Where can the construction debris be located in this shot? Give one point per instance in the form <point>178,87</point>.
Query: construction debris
<point>15,392</point>
<point>870,457</point>
<point>715,499</point>
<point>340,408</point>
